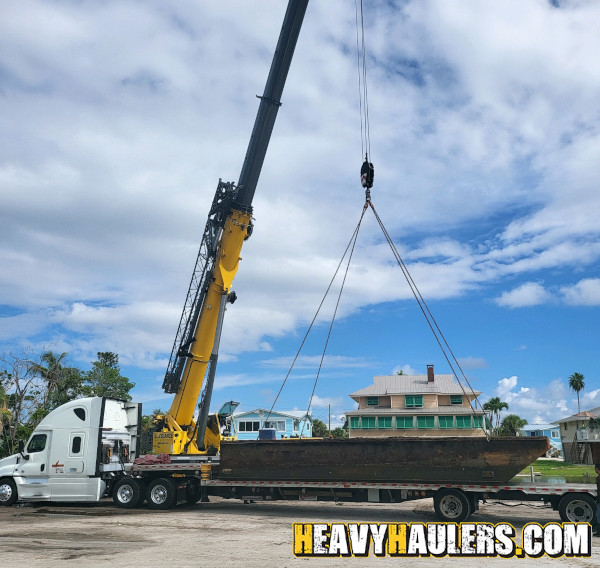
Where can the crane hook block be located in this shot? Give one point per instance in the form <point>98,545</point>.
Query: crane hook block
<point>367,173</point>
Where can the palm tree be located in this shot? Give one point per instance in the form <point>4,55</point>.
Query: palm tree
<point>53,371</point>
<point>576,383</point>
<point>511,425</point>
<point>494,406</point>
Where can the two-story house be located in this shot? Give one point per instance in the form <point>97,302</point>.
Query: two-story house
<point>288,423</point>
<point>415,405</point>
<point>580,435</point>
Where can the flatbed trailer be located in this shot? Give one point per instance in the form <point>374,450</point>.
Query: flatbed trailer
<point>191,481</point>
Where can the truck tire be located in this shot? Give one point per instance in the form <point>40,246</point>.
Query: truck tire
<point>194,492</point>
<point>127,493</point>
<point>451,505</point>
<point>8,492</point>
<point>577,508</point>
<point>160,493</point>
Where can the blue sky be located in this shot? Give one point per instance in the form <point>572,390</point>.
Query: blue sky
<point>118,119</point>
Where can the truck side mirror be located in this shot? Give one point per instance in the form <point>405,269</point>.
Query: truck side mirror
<point>21,448</point>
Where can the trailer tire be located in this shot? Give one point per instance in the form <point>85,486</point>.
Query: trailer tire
<point>8,492</point>
<point>451,505</point>
<point>577,508</point>
<point>160,493</point>
<point>128,493</point>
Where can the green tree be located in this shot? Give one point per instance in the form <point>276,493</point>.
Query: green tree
<point>339,433</point>
<point>105,379</point>
<point>23,395</point>
<point>62,383</point>
<point>511,425</point>
<point>494,406</point>
<point>577,383</point>
<point>319,428</point>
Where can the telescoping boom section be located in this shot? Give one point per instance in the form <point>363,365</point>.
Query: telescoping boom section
<point>195,351</point>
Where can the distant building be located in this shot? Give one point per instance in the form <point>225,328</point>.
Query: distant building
<point>415,405</point>
<point>288,423</point>
<point>580,436</point>
<point>551,431</point>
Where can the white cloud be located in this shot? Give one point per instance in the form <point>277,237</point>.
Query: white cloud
<point>406,370</point>
<point>113,144</point>
<point>534,404</point>
<point>585,293</point>
<point>528,294</point>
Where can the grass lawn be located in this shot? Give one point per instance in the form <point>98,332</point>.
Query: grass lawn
<point>551,467</point>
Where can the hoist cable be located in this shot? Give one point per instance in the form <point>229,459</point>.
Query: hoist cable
<point>363,91</point>
<point>355,238</point>
<point>431,321</point>
<point>351,243</point>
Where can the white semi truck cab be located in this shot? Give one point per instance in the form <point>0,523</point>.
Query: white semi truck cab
<point>74,452</point>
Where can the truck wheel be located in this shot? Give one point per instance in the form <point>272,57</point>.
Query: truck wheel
<point>160,493</point>
<point>127,493</point>
<point>577,508</point>
<point>451,505</point>
<point>8,492</point>
<point>194,493</point>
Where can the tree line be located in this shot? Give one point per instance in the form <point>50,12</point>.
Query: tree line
<point>32,386</point>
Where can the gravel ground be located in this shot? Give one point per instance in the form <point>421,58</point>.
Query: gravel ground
<point>227,533</point>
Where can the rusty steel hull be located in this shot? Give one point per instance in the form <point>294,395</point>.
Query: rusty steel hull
<point>440,460</point>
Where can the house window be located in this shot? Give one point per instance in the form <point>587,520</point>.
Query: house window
<point>554,434</point>
<point>405,422</point>
<point>463,422</point>
<point>425,421</point>
<point>354,422</point>
<point>446,421</point>
<point>456,399</point>
<point>384,422</point>
<point>372,401</point>
<point>249,426</point>
<point>565,425</point>
<point>368,422</point>
<point>413,400</point>
<point>477,421</point>
<point>279,425</point>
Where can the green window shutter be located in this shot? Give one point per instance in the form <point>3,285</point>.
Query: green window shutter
<point>446,421</point>
<point>405,422</point>
<point>413,400</point>
<point>425,422</point>
<point>456,399</point>
<point>478,421</point>
<point>463,422</point>
<point>368,422</point>
<point>384,422</point>
<point>354,422</point>
<point>372,401</point>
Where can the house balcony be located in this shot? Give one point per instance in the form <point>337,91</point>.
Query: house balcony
<point>588,435</point>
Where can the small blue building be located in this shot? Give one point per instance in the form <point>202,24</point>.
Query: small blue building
<point>287,423</point>
<point>551,431</point>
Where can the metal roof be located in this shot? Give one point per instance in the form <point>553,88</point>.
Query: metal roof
<point>585,415</point>
<point>412,384</point>
<point>264,412</point>
<point>535,427</point>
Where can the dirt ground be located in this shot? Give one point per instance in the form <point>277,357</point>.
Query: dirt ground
<point>227,533</point>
